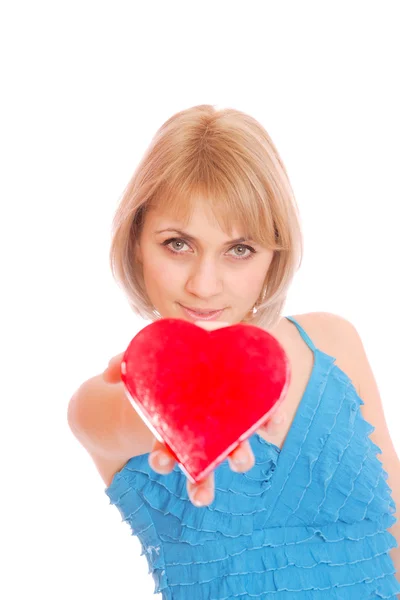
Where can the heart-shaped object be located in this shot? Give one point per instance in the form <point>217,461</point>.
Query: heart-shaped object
<point>204,392</point>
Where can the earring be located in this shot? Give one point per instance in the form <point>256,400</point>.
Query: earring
<point>255,307</point>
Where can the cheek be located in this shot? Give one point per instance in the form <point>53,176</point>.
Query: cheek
<point>159,275</point>
<point>249,283</point>
<point>254,277</point>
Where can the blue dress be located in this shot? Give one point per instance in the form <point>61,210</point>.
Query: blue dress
<point>308,522</point>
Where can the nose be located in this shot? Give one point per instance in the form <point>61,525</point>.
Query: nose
<point>205,280</point>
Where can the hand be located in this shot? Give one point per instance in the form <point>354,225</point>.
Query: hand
<point>163,462</point>
<point>240,460</point>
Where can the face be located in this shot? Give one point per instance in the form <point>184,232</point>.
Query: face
<point>199,267</point>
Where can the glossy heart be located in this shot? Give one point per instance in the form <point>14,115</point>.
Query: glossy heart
<point>203,392</point>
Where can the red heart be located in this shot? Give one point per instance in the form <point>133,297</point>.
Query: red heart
<point>203,392</point>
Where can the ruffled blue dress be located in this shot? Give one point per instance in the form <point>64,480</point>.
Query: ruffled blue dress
<point>308,522</point>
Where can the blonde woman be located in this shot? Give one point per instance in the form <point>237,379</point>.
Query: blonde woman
<point>208,231</point>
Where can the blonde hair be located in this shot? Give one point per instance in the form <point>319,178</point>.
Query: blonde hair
<point>228,158</point>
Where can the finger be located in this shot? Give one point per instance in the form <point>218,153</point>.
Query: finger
<point>242,458</point>
<point>202,493</point>
<point>160,459</point>
<point>275,424</point>
<point>112,373</point>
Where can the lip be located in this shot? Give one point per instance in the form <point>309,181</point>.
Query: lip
<point>197,316</point>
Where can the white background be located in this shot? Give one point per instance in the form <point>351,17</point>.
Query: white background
<point>84,88</point>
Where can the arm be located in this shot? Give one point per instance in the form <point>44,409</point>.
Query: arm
<point>105,423</point>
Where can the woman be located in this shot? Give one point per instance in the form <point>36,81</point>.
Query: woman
<point>208,231</point>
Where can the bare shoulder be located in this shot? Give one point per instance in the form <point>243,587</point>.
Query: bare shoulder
<point>328,328</point>
<point>333,334</point>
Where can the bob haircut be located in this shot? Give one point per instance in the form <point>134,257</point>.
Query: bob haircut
<point>226,157</point>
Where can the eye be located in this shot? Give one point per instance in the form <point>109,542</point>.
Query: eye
<point>243,248</point>
<point>179,243</point>
<point>175,245</point>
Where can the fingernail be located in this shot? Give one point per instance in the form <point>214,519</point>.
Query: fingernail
<point>240,458</point>
<point>201,497</point>
<point>161,458</point>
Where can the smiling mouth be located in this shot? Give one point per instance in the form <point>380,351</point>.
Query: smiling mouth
<point>202,311</point>
<point>199,315</point>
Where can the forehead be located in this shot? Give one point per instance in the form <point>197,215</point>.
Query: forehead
<point>199,221</point>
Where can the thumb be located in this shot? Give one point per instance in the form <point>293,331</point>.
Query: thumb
<point>112,374</point>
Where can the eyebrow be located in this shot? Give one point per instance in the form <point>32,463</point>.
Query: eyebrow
<point>193,239</point>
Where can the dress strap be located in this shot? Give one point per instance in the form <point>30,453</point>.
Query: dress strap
<point>303,334</point>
